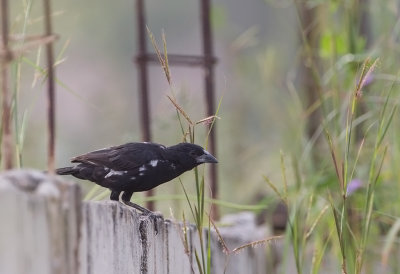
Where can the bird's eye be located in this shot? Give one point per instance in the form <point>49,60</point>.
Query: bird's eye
<point>194,153</point>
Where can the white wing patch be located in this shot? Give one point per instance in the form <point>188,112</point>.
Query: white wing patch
<point>153,163</point>
<point>113,172</point>
<point>142,168</point>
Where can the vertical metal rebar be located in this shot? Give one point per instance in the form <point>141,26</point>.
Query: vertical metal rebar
<point>50,89</point>
<point>144,105</point>
<point>6,144</point>
<point>307,75</point>
<point>209,90</point>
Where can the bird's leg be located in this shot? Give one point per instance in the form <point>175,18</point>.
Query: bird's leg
<point>126,197</point>
<point>115,195</point>
<point>145,211</point>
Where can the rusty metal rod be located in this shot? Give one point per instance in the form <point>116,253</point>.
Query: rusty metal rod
<point>144,104</point>
<point>207,61</point>
<point>50,89</point>
<point>209,89</point>
<point>176,59</point>
<point>6,141</point>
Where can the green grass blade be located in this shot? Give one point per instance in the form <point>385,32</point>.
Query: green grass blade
<point>273,187</point>
<point>187,198</point>
<point>382,136</point>
<point>390,241</point>
<point>199,265</point>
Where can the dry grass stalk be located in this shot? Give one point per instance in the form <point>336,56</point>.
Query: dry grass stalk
<point>32,44</point>
<point>225,248</point>
<point>256,243</point>
<point>163,60</point>
<point>365,75</point>
<point>208,120</point>
<point>338,168</point>
<point>180,109</point>
<point>274,188</point>
<point>316,221</point>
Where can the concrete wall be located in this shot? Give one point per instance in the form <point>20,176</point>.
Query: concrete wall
<point>45,228</point>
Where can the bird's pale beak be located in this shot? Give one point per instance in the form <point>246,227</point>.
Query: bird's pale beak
<point>206,158</point>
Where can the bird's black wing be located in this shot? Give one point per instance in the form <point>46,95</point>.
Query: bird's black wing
<point>124,157</point>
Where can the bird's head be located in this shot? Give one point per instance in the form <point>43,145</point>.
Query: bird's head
<point>191,154</point>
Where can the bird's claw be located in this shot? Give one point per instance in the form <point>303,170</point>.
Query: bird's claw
<point>153,216</point>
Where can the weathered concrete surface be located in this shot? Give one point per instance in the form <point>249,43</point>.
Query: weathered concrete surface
<point>46,229</point>
<point>238,230</point>
<point>117,239</point>
<point>39,227</point>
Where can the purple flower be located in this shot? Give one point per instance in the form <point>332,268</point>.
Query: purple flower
<point>367,79</point>
<point>353,186</point>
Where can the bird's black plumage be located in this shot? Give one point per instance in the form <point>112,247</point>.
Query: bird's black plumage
<point>135,167</point>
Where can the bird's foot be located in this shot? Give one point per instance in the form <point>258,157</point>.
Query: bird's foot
<point>146,214</point>
<point>137,207</point>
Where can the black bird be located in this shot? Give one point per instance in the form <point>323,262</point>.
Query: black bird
<point>136,167</point>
